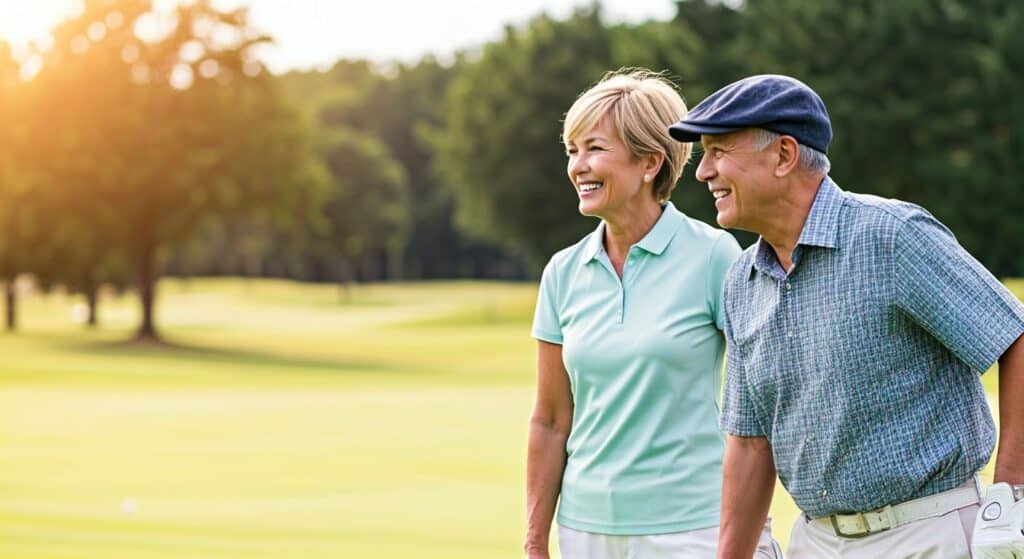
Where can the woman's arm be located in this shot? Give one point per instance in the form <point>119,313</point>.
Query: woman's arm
<point>545,460</point>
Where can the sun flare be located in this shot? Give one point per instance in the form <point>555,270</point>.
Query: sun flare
<point>22,22</point>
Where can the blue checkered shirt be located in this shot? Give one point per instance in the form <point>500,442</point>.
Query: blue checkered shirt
<point>861,366</point>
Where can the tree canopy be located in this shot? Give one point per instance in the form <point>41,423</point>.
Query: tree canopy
<point>179,122</point>
<point>148,140</point>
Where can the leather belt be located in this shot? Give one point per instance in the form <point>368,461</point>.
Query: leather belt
<point>861,524</point>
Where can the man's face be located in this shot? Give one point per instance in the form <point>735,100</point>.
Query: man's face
<point>739,177</point>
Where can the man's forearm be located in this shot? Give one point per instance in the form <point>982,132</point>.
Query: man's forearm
<point>1010,458</point>
<point>545,464</point>
<point>748,482</point>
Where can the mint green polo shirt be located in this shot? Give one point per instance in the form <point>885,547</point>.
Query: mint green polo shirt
<point>644,356</point>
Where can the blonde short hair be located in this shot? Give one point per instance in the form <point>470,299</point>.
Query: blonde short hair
<point>640,105</point>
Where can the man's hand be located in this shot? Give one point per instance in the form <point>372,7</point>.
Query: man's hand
<point>999,528</point>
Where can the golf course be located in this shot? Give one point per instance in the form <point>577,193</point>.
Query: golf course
<point>277,420</point>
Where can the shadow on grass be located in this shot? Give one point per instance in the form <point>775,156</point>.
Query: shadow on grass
<point>172,351</point>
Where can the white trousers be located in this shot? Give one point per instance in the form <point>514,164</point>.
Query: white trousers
<point>693,544</point>
<point>943,537</point>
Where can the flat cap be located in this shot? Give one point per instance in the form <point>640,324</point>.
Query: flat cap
<point>781,104</point>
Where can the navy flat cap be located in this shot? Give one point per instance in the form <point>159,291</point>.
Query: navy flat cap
<point>778,103</point>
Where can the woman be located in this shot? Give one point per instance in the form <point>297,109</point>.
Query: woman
<point>624,432</point>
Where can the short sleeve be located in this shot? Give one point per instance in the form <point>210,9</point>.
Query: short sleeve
<point>738,413</point>
<point>546,325</point>
<point>723,254</point>
<point>951,295</point>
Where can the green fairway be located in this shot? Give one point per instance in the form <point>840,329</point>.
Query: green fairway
<point>283,421</point>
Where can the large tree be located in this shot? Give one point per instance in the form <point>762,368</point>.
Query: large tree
<point>18,220</point>
<point>167,119</point>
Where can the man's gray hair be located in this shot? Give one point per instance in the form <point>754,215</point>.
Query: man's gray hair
<point>810,158</point>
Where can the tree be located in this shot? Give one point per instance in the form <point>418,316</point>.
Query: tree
<point>397,105</point>
<point>367,206</point>
<point>434,248</point>
<point>926,99</point>
<point>178,123</point>
<point>500,147</point>
<point>18,223</point>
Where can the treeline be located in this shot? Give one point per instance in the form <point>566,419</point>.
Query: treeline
<point>144,144</point>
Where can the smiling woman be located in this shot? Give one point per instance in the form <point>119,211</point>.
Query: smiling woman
<point>624,434</point>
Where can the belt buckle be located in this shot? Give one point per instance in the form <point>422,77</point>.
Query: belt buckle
<point>863,529</point>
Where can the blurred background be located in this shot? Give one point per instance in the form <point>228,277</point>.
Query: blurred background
<point>269,267</point>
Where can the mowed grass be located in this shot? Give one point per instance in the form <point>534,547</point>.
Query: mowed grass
<point>284,420</point>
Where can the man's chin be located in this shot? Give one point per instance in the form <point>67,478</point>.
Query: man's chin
<point>726,221</point>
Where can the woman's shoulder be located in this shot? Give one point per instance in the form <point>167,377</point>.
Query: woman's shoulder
<point>703,229</point>
<point>582,250</point>
<point>700,233</point>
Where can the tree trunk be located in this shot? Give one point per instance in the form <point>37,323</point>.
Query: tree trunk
<point>11,305</point>
<point>396,260</point>
<point>92,299</point>
<point>146,270</point>
<point>345,284</point>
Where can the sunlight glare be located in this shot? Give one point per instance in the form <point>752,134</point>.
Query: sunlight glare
<point>24,22</point>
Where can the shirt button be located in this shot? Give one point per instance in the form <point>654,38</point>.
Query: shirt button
<point>789,334</point>
<point>824,492</point>
<point>789,286</point>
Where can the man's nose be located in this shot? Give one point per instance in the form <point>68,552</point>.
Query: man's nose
<point>705,170</point>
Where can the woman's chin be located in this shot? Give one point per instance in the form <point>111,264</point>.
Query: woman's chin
<point>590,209</point>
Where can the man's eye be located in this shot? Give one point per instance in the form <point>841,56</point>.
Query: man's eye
<point>569,152</point>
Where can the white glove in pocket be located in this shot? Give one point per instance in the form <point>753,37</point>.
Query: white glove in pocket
<point>999,527</point>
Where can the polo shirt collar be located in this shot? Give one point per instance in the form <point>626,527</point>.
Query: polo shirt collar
<point>822,225</point>
<point>821,228</point>
<point>654,242</point>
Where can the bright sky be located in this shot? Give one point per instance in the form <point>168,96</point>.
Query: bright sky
<point>313,33</point>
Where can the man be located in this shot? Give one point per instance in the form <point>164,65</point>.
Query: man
<point>857,329</point>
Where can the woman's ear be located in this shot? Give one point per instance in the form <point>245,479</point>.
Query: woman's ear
<point>652,165</point>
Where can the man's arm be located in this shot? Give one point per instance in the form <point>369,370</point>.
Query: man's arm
<point>998,529</point>
<point>545,459</point>
<point>748,482</point>
<point>1010,458</point>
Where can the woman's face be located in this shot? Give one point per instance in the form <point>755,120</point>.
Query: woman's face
<point>606,176</point>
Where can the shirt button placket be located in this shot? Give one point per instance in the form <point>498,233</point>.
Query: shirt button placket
<point>787,289</point>
<point>622,286</point>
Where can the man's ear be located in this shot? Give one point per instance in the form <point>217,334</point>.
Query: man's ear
<point>789,156</point>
